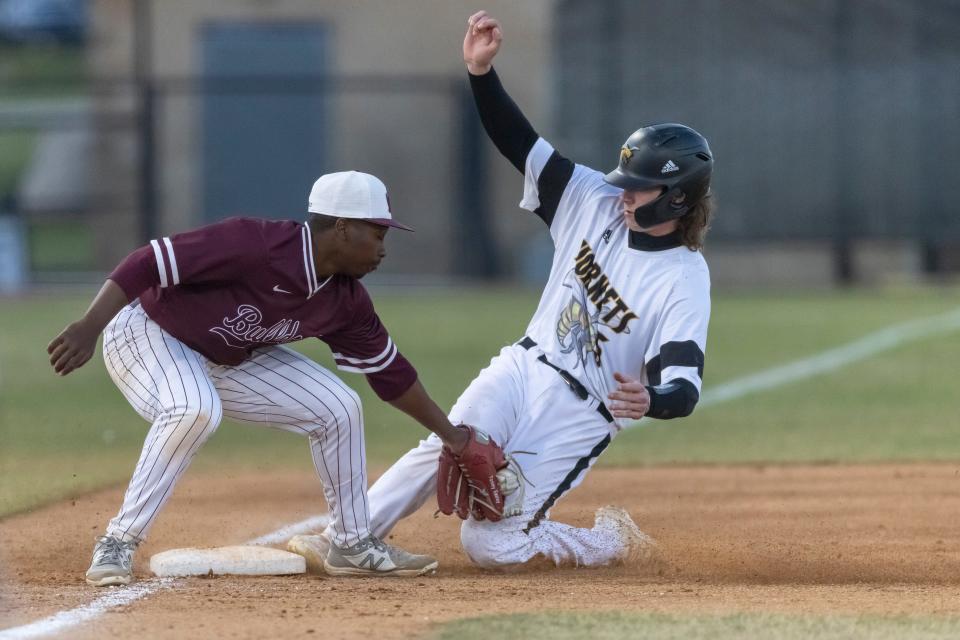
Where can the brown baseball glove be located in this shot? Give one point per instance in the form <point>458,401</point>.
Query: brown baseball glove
<point>467,482</point>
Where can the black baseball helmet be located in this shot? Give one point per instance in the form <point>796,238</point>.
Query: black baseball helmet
<point>671,156</point>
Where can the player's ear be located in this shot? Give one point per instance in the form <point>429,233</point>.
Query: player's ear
<point>342,229</point>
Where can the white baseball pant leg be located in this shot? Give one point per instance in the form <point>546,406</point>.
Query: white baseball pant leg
<point>281,388</point>
<point>412,480</point>
<point>525,406</point>
<point>185,396</point>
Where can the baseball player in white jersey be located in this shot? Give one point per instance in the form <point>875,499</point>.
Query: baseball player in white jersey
<point>620,331</point>
<point>193,330</point>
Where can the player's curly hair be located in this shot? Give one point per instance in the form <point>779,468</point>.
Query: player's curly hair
<point>694,226</point>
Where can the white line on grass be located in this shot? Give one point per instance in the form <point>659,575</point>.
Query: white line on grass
<point>832,359</point>
<point>122,596</point>
<point>829,360</point>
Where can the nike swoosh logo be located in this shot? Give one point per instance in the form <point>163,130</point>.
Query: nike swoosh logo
<point>277,288</point>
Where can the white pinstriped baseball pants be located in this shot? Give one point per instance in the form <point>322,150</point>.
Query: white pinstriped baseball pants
<point>185,396</point>
<point>525,406</point>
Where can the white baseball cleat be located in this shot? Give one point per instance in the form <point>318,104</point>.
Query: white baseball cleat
<point>314,548</point>
<point>112,562</point>
<point>638,547</point>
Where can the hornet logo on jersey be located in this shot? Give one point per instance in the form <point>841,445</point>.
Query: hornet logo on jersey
<point>578,328</point>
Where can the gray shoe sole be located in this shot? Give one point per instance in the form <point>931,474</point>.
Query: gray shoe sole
<point>110,581</point>
<point>399,573</point>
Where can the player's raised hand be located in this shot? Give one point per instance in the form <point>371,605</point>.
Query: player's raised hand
<point>481,42</point>
<point>631,398</point>
<point>72,348</point>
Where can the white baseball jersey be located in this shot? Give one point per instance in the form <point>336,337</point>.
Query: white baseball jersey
<point>609,307</point>
<point>617,301</point>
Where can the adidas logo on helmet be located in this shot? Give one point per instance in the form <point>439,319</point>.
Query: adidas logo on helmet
<point>670,157</point>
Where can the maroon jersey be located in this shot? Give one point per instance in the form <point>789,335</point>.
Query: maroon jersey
<point>230,287</point>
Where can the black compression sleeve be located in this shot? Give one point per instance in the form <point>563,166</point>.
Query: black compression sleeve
<point>673,399</point>
<point>506,125</point>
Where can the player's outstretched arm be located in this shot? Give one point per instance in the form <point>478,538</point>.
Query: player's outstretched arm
<point>416,403</point>
<point>508,128</point>
<point>468,462</point>
<point>75,345</point>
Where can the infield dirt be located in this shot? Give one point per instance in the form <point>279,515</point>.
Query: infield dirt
<point>881,539</point>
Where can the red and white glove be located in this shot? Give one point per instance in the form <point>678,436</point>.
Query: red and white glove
<point>467,482</point>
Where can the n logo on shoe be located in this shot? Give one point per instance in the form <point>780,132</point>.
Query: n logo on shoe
<point>369,560</point>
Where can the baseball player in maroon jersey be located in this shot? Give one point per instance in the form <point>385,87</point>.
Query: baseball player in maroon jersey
<point>193,330</point>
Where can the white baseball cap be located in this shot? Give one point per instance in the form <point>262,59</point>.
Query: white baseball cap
<point>354,195</point>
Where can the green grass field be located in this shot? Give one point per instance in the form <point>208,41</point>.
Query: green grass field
<point>15,150</point>
<point>64,436</point>
<point>41,71</point>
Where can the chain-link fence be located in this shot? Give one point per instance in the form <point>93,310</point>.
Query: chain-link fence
<point>104,171</point>
<point>830,119</point>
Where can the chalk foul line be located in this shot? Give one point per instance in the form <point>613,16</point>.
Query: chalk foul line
<point>115,597</point>
<point>122,596</point>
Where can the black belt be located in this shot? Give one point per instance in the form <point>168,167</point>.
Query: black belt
<point>575,385</point>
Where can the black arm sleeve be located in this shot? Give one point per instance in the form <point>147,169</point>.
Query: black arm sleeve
<point>675,399</point>
<point>513,135</point>
<point>506,125</point>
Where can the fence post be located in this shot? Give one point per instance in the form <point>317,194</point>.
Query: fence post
<point>844,202</point>
<point>475,251</point>
<point>146,143</point>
